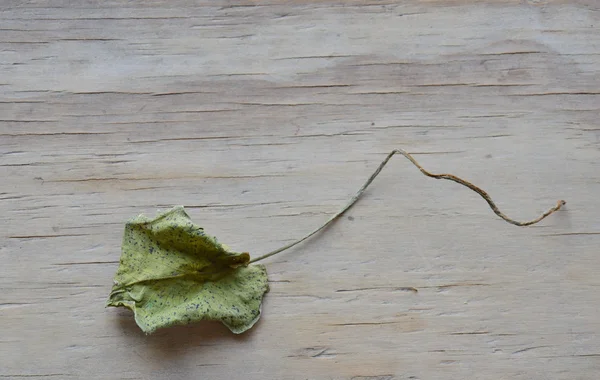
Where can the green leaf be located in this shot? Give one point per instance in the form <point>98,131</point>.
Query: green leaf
<point>172,273</point>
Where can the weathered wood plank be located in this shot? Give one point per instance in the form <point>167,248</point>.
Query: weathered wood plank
<point>263,119</point>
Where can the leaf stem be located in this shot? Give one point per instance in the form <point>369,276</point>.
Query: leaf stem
<point>450,177</point>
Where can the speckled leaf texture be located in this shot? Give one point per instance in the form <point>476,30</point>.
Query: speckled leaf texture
<point>172,273</point>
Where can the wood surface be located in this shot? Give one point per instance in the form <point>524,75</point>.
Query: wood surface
<point>263,119</point>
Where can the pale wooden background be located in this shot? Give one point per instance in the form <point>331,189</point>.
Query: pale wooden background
<point>263,119</point>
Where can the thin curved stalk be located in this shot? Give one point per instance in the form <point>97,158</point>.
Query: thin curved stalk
<point>450,177</point>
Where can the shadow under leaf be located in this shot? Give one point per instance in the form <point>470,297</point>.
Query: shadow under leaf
<point>171,342</point>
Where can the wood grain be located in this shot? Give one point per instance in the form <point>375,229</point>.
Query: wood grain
<point>263,119</point>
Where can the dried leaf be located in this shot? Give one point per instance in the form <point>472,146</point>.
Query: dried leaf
<point>172,273</point>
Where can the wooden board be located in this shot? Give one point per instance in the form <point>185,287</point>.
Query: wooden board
<point>263,119</point>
